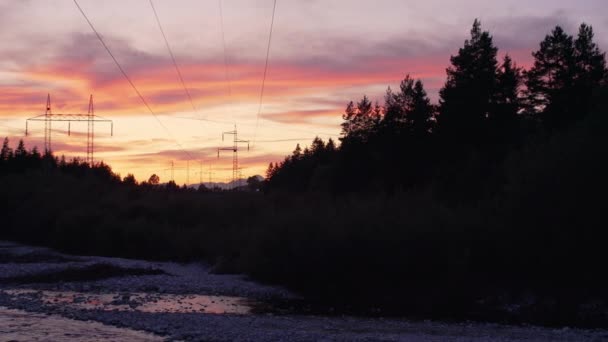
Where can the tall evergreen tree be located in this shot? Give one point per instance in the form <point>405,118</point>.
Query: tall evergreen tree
<point>360,121</point>
<point>349,124</point>
<point>393,112</point>
<point>318,150</point>
<point>590,69</point>
<point>465,100</point>
<point>405,97</point>
<point>270,171</point>
<point>420,114</point>
<point>6,153</point>
<point>20,151</point>
<point>590,60</point>
<point>550,81</point>
<point>330,147</point>
<point>507,101</point>
<point>396,106</point>
<point>297,153</point>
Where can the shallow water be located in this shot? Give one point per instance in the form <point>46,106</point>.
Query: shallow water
<point>18,325</point>
<point>143,302</point>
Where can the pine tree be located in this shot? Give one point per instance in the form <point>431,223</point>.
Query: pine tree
<point>330,147</point>
<point>590,61</point>
<point>393,113</point>
<point>404,98</point>
<point>21,151</point>
<point>419,115</point>
<point>318,147</point>
<point>504,117</point>
<point>590,69</point>
<point>376,115</point>
<point>349,123</point>
<point>6,153</point>
<point>297,153</point>
<point>360,122</point>
<point>307,153</point>
<point>35,153</point>
<point>550,82</point>
<point>366,120</point>
<point>397,108</point>
<point>465,100</point>
<point>270,171</point>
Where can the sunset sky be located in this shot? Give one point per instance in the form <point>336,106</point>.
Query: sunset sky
<point>323,54</point>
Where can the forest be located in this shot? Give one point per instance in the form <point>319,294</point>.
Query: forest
<point>492,196</point>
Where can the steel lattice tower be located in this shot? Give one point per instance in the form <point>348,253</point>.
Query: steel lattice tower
<point>90,132</point>
<point>47,125</point>
<point>235,153</point>
<point>48,117</point>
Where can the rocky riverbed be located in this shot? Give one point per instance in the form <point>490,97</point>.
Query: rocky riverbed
<point>45,295</point>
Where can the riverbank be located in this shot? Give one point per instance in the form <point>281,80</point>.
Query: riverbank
<point>188,302</point>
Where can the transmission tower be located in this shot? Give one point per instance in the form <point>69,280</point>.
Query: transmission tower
<point>47,125</point>
<point>90,131</point>
<point>48,117</point>
<point>187,172</point>
<point>210,173</point>
<point>172,171</point>
<point>235,152</point>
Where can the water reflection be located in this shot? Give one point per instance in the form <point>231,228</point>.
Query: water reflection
<point>143,302</point>
<point>17,325</point>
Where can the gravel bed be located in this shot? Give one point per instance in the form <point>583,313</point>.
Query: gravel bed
<point>197,279</point>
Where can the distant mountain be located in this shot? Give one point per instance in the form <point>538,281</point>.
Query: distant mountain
<point>225,186</point>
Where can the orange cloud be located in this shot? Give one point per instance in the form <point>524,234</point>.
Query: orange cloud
<point>159,84</point>
<point>303,116</point>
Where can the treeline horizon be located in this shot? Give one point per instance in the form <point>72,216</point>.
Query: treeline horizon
<point>490,200</point>
<point>487,110</point>
<point>20,159</point>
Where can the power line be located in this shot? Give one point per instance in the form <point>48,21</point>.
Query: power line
<point>282,140</point>
<point>268,123</point>
<point>181,79</point>
<point>226,73</point>
<point>143,100</point>
<point>202,119</point>
<point>274,7</point>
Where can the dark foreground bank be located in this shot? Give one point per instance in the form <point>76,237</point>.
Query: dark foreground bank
<point>187,302</point>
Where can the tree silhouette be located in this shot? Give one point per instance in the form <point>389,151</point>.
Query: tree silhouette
<point>297,153</point>
<point>591,70</point>
<point>465,100</point>
<point>507,103</point>
<point>396,108</point>
<point>565,75</point>
<point>360,121</point>
<point>254,184</point>
<point>130,180</point>
<point>20,151</point>
<point>270,171</point>
<point>393,112</point>
<point>457,147</point>
<point>330,147</point>
<point>154,179</point>
<point>419,115</point>
<point>550,81</point>
<point>6,153</point>
<point>318,146</point>
<point>590,61</point>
